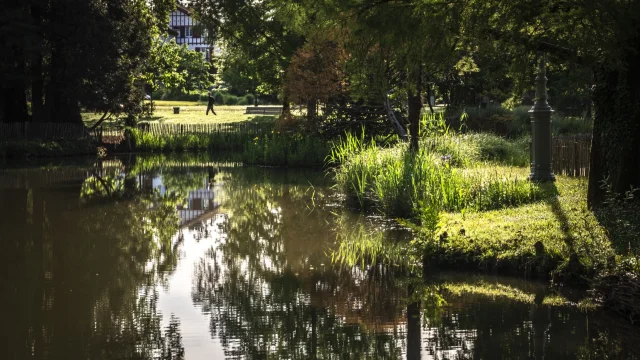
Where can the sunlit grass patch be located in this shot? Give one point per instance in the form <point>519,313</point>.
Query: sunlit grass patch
<point>190,113</point>
<point>562,224</point>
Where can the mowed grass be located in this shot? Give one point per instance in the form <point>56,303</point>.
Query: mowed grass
<point>190,113</point>
<point>561,225</point>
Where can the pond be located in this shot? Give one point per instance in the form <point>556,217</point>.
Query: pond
<point>182,257</point>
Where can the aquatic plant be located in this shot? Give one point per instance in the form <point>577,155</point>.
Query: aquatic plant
<point>277,149</point>
<point>402,183</point>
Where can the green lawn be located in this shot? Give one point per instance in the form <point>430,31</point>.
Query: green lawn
<point>561,223</point>
<point>190,113</point>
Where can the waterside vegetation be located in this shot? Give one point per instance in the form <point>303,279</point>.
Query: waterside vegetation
<point>471,206</point>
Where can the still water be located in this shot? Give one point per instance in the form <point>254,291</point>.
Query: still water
<point>172,258</point>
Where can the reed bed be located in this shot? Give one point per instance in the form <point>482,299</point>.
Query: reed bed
<point>150,142</point>
<point>286,150</point>
<point>403,183</point>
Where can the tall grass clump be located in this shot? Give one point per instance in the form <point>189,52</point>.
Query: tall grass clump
<point>147,142</point>
<point>286,150</point>
<point>403,183</point>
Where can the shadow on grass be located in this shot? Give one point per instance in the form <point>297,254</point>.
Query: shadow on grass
<point>151,118</point>
<point>573,270</point>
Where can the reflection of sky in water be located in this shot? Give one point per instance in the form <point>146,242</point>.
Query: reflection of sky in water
<point>267,241</point>
<point>176,298</point>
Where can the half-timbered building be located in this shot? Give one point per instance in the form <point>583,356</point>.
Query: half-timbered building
<point>186,30</point>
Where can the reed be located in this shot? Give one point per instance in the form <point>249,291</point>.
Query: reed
<point>150,142</point>
<point>293,150</point>
<point>403,183</point>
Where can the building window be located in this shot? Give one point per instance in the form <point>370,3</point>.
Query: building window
<point>197,49</point>
<point>187,31</point>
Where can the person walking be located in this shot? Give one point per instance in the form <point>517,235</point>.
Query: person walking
<point>210,105</point>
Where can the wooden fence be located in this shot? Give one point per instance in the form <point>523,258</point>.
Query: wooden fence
<point>109,135</point>
<point>220,128</point>
<point>571,155</point>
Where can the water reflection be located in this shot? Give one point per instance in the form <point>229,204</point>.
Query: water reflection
<point>175,258</point>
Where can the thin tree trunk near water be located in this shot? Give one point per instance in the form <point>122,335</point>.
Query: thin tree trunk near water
<point>37,76</point>
<point>415,107</point>
<point>429,94</point>
<point>286,106</point>
<point>312,108</point>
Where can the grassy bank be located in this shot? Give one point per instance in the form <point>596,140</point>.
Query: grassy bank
<point>269,149</point>
<point>190,113</point>
<point>20,149</point>
<point>142,141</point>
<point>447,173</point>
<point>471,206</point>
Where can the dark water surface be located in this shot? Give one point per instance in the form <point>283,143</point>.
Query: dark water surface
<point>171,258</point>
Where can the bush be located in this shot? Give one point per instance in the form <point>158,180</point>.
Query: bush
<point>250,99</point>
<point>196,96</point>
<point>218,98</point>
<point>515,123</point>
<point>571,125</point>
<point>231,100</point>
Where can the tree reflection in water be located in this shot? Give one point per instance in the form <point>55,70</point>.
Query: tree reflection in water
<point>271,292</point>
<point>83,274</point>
<point>83,259</point>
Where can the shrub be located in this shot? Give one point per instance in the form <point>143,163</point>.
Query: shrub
<point>45,148</point>
<point>218,98</point>
<point>250,99</point>
<point>230,100</point>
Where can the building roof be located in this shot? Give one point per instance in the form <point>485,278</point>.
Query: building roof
<point>184,9</point>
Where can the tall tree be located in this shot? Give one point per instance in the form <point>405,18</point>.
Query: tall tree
<point>412,42</point>
<point>255,29</point>
<point>601,36</point>
<point>72,53</point>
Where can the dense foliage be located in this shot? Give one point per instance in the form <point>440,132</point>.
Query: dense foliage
<point>63,54</point>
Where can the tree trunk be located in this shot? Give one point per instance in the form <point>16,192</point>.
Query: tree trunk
<point>615,149</point>
<point>415,107</point>
<point>312,109</point>
<point>13,98</point>
<point>429,94</point>
<point>286,106</point>
<point>61,105</point>
<point>36,75</point>
<point>37,89</point>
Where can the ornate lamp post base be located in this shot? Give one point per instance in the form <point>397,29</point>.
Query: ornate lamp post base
<point>541,145</point>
